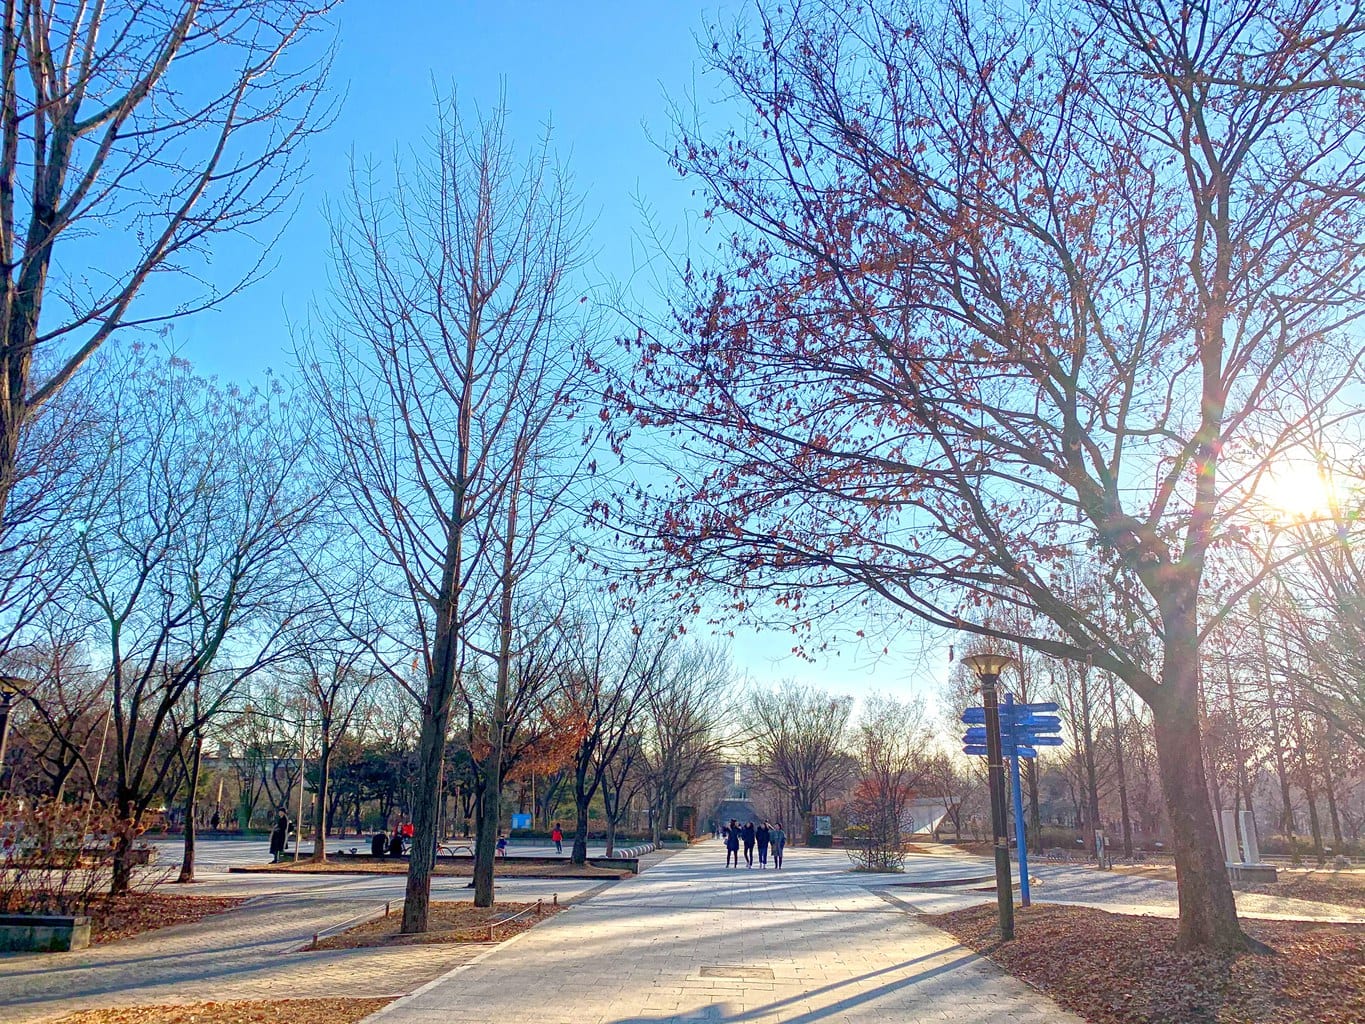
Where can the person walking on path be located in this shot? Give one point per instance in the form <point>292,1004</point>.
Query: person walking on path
<point>762,835</point>
<point>779,841</point>
<point>279,837</point>
<point>748,835</point>
<point>731,842</point>
<point>557,834</point>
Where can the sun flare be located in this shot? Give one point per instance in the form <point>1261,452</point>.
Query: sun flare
<point>1297,490</point>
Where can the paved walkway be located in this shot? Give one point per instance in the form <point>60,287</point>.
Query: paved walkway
<point>686,940</point>
<point>249,953</point>
<point>1115,891</point>
<point>690,941</point>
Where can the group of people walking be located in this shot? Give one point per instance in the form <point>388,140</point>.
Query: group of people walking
<point>764,836</point>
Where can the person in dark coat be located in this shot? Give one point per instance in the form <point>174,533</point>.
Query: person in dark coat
<point>762,835</point>
<point>279,837</point>
<point>379,844</point>
<point>731,842</point>
<point>747,834</point>
<point>396,842</point>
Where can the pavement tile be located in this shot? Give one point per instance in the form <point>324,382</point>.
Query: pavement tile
<point>836,952</point>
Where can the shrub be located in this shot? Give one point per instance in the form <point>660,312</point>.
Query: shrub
<point>55,857</point>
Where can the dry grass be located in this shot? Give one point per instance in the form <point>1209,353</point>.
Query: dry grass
<point>1123,969</point>
<point>447,922</point>
<point>254,1011</point>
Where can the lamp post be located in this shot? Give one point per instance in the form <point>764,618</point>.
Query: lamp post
<point>988,668</point>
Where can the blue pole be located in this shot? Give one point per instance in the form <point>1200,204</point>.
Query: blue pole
<point>1017,792</point>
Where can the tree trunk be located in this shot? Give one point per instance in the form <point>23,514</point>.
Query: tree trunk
<point>1309,789</point>
<point>486,818</point>
<point>187,858</point>
<point>580,836</point>
<point>1276,739</point>
<point>422,860</point>
<point>1121,770</point>
<point>1092,786</point>
<point>1035,814</point>
<point>121,871</point>
<point>1208,914</point>
<point>324,793</point>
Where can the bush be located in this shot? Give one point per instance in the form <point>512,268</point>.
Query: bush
<point>673,835</point>
<point>55,857</point>
<point>873,849</point>
<point>1302,846</point>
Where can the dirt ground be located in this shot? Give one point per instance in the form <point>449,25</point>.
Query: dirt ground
<point>1123,969</point>
<point>448,922</point>
<point>274,1011</point>
<point>119,917</point>
<point>506,869</point>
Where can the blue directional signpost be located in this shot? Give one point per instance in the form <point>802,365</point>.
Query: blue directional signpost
<point>1023,729</point>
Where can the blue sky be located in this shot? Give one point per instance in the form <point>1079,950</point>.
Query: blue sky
<point>600,73</point>
<point>603,74</point>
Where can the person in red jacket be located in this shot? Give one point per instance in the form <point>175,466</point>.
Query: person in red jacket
<point>557,834</point>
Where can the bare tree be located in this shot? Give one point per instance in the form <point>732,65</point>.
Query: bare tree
<point>450,345</point>
<point>614,661</point>
<point>132,135</point>
<point>1005,283</point>
<point>338,685</point>
<point>798,734</point>
<point>891,743</point>
<point>186,541</point>
<point>683,721</point>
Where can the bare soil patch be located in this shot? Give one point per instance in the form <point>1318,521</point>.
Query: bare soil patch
<point>505,869</point>
<point>120,917</point>
<point>254,1011</point>
<point>447,922</point>
<point>1123,969</point>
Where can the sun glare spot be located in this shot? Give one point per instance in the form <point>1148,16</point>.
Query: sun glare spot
<point>1297,490</point>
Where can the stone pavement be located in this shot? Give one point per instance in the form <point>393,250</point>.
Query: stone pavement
<point>1115,891</point>
<point>249,953</point>
<point>690,941</point>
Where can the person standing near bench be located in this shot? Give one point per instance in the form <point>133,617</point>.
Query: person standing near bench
<point>779,841</point>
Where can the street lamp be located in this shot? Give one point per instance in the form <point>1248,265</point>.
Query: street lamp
<point>988,668</point>
<point>10,688</point>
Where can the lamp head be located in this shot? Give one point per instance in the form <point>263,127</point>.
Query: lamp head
<point>988,665</point>
<point>12,686</point>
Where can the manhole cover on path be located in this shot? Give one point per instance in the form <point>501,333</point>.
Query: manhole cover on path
<point>738,972</point>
